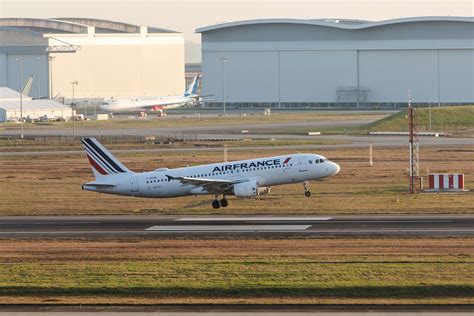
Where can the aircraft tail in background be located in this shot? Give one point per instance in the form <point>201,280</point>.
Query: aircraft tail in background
<point>192,88</point>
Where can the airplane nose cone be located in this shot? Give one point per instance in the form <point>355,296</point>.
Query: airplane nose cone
<point>336,168</point>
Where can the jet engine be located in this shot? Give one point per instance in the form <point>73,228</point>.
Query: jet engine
<point>246,189</point>
<point>156,108</point>
<point>263,190</point>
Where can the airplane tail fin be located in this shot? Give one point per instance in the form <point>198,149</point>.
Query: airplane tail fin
<point>193,86</point>
<point>25,90</point>
<point>103,163</point>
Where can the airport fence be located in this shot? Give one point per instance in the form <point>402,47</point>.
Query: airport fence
<point>105,139</point>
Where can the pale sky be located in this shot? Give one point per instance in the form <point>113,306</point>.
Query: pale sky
<point>187,15</point>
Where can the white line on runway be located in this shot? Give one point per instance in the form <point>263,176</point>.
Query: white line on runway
<point>263,218</point>
<point>229,228</point>
<point>385,221</point>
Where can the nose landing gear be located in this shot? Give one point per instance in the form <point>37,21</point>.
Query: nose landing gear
<point>307,193</point>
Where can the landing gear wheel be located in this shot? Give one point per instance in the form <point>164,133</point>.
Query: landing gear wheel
<point>216,204</point>
<point>306,189</point>
<point>224,203</point>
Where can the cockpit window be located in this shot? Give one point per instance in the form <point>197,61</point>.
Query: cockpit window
<point>105,103</point>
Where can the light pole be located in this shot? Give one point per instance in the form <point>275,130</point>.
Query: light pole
<point>50,58</point>
<point>430,114</point>
<point>20,61</point>
<point>223,61</point>
<point>38,77</point>
<point>73,106</point>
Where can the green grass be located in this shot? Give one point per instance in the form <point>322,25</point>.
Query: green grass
<point>445,118</point>
<point>240,278</point>
<point>238,270</point>
<point>186,121</point>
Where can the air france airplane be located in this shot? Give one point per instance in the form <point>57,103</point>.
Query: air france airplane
<point>244,178</point>
<point>157,104</point>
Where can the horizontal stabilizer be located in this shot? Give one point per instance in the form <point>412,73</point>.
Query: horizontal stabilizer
<point>100,184</point>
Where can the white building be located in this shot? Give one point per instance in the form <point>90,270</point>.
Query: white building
<point>324,63</point>
<point>107,58</point>
<point>10,108</point>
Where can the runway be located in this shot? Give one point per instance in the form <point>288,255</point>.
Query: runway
<point>155,226</point>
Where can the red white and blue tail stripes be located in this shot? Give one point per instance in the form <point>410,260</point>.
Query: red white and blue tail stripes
<point>101,159</point>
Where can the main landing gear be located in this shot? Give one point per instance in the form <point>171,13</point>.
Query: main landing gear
<point>306,189</point>
<point>218,203</point>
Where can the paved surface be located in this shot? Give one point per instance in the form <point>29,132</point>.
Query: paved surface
<point>152,226</point>
<point>349,142</point>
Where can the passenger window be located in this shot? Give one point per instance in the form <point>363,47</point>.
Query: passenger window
<point>310,161</point>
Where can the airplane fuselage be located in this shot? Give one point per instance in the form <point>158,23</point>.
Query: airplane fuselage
<point>153,104</point>
<point>266,172</point>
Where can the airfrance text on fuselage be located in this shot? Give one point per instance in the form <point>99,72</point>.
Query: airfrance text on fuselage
<point>244,165</point>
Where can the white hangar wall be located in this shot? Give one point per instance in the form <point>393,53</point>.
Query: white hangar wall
<point>107,58</point>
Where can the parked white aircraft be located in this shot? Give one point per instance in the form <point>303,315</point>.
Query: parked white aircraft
<point>244,178</point>
<point>158,104</point>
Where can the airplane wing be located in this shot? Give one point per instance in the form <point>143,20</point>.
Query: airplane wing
<point>203,96</point>
<point>211,185</point>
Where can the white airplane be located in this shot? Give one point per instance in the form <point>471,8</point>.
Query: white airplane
<point>158,104</point>
<point>244,178</point>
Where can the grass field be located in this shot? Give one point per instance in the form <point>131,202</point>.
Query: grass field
<point>22,145</point>
<point>329,271</point>
<point>52,185</point>
<point>186,121</point>
<point>457,119</point>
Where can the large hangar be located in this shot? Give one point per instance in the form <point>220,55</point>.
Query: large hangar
<point>106,58</point>
<point>349,63</point>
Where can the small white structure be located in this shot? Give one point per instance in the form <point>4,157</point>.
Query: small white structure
<point>101,117</point>
<point>33,109</point>
<point>446,181</point>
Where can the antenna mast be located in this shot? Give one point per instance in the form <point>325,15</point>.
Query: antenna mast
<point>414,147</point>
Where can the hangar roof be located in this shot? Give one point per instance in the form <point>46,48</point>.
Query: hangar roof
<point>10,94</point>
<point>29,105</point>
<point>336,23</point>
<point>74,25</point>
<point>44,25</point>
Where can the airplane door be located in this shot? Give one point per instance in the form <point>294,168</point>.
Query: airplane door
<point>134,184</point>
<point>303,164</point>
